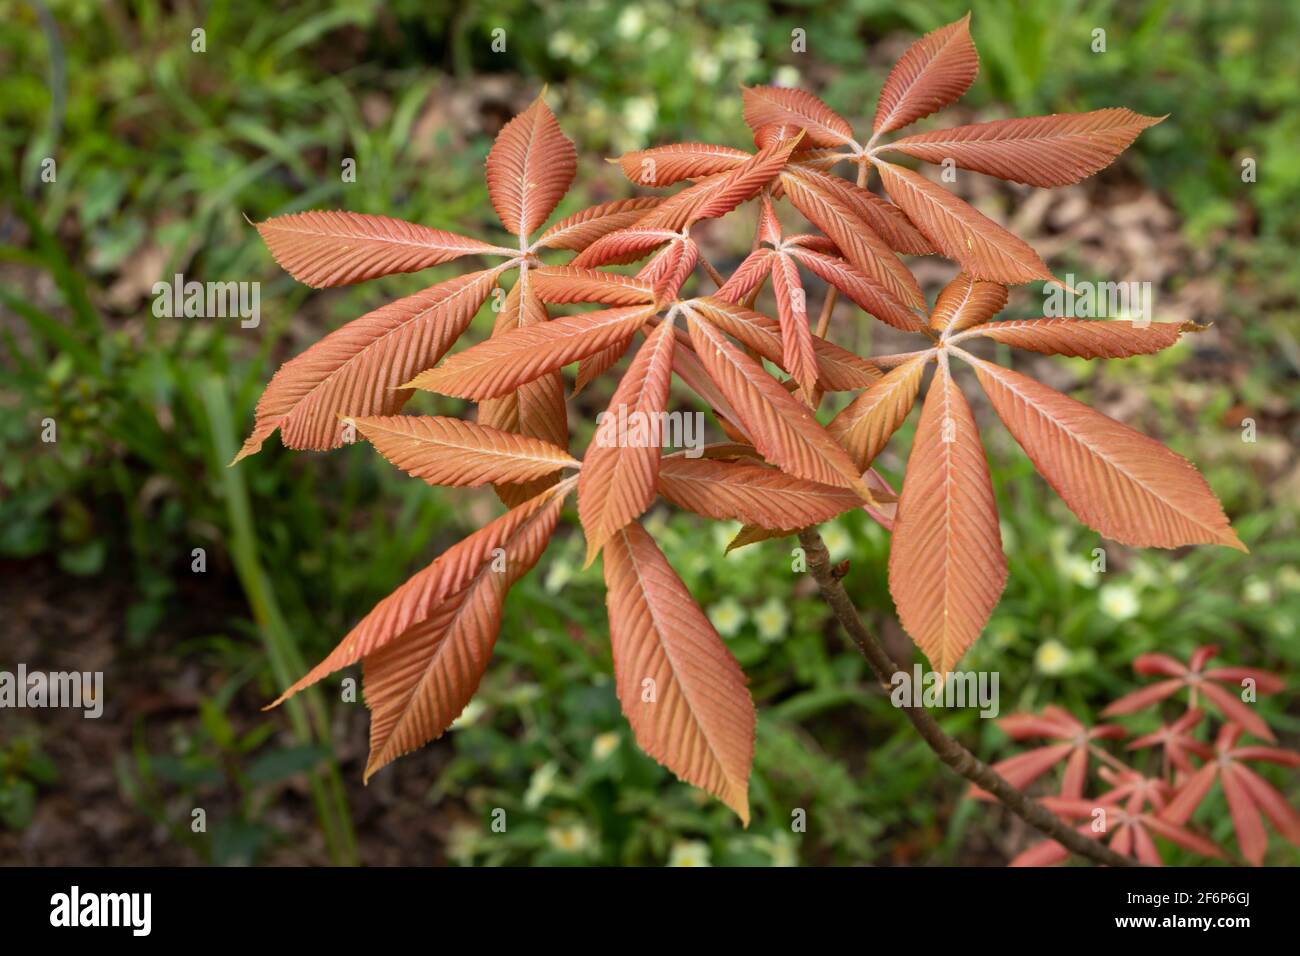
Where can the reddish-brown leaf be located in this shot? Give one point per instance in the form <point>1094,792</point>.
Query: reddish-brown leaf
<point>966,301</point>
<point>529,169</point>
<point>984,249</point>
<point>504,362</point>
<point>869,254</point>
<point>409,608</point>
<point>745,180</point>
<point>886,219</point>
<point>584,227</point>
<point>562,284</point>
<point>1051,150</point>
<point>862,290</point>
<point>356,370</point>
<point>781,427</point>
<point>839,370</point>
<point>1084,338</point>
<point>935,70</point>
<point>680,688</point>
<point>418,682</point>
<point>749,275</point>
<point>797,352</point>
<point>536,409</point>
<point>665,165</point>
<point>332,248</point>
<point>1122,484</point>
<point>946,566</point>
<point>776,105</point>
<point>624,245</point>
<point>451,452</point>
<point>865,426</point>
<point>622,462</point>
<point>749,492</point>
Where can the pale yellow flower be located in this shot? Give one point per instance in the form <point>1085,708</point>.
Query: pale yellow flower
<point>1052,657</point>
<point>690,853</point>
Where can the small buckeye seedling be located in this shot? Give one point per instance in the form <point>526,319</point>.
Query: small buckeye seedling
<point>425,646</point>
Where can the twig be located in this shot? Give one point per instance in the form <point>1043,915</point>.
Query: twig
<point>952,753</point>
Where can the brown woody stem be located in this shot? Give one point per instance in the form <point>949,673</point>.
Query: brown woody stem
<point>952,753</point>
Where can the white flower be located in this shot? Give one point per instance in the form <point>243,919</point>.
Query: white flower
<point>570,838</point>
<point>630,23</point>
<point>604,745</point>
<point>1257,591</point>
<point>560,573</point>
<point>1077,569</point>
<point>1119,602</point>
<point>706,67</point>
<point>639,114</point>
<point>786,76</point>
<point>690,853</point>
<point>771,619</point>
<point>1052,657</point>
<point>838,542</point>
<point>727,616</point>
<point>541,784</point>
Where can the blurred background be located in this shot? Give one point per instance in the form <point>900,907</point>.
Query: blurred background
<point>161,152</point>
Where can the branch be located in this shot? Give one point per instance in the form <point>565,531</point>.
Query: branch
<point>952,753</point>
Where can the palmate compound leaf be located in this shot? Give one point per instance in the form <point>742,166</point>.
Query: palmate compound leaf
<point>504,362</point>
<point>946,566</point>
<point>427,643</point>
<point>622,462</point>
<point>984,249</point>
<point>781,427</point>
<point>781,106</point>
<point>536,409</point>
<point>454,453</point>
<point>417,683</point>
<point>1122,484</point>
<point>680,688</point>
<point>331,248</point>
<point>1049,151</point>
<point>867,423</point>
<point>935,71</point>
<point>357,369</point>
<point>529,169</point>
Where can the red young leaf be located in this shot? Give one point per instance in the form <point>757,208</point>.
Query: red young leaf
<point>665,165</point>
<point>571,284</point>
<point>776,105</point>
<point>420,680</point>
<point>1084,338</point>
<point>1051,150</point>
<point>529,169</point>
<point>865,426</point>
<point>862,290</point>
<point>946,566</point>
<point>323,249</point>
<point>782,428</point>
<point>680,688</point>
<point>580,230</point>
<point>984,249</point>
<point>1121,483</point>
<point>935,70</point>
<point>798,356</point>
<point>622,462</point>
<point>504,362</point>
<point>966,301</point>
<point>749,492</point>
<point>357,369</point>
